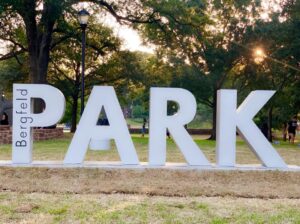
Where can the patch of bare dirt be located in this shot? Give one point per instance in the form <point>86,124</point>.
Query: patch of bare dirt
<point>26,208</point>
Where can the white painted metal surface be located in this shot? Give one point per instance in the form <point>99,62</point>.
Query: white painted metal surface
<point>24,119</point>
<point>102,96</point>
<point>160,121</point>
<point>231,120</point>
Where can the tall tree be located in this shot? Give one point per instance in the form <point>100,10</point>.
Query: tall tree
<point>205,36</point>
<point>40,17</point>
<point>65,65</point>
<point>10,72</point>
<point>278,67</point>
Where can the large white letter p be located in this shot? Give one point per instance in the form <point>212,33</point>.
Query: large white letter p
<point>24,118</point>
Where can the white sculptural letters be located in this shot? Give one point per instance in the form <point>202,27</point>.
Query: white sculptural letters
<point>229,120</point>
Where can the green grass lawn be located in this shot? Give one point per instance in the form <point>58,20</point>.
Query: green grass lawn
<point>56,150</point>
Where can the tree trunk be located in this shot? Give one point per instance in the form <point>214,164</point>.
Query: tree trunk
<point>75,97</point>
<point>214,124</point>
<point>284,131</point>
<point>39,37</point>
<point>28,14</point>
<point>43,58</point>
<point>270,117</point>
<point>74,113</point>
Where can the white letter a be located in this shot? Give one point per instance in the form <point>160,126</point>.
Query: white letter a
<point>87,129</point>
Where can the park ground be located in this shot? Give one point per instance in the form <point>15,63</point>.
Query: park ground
<point>77,195</point>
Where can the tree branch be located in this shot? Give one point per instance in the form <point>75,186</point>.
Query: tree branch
<point>11,55</point>
<point>62,73</point>
<point>62,39</point>
<point>130,18</point>
<point>14,42</point>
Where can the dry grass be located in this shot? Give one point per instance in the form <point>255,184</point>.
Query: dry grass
<point>252,184</point>
<point>247,184</point>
